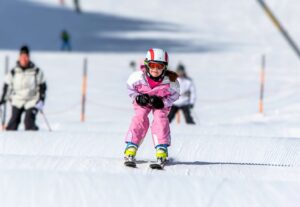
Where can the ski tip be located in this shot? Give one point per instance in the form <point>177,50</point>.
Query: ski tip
<point>155,166</point>
<point>130,164</point>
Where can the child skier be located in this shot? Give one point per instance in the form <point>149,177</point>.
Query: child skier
<point>153,88</point>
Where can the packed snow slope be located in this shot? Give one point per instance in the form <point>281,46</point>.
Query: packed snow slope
<point>232,157</point>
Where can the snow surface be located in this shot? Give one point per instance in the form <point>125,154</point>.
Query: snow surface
<point>232,157</point>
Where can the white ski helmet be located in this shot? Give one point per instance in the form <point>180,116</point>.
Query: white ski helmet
<point>157,55</point>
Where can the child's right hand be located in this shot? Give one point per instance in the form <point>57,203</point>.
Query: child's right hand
<point>142,100</point>
<point>156,102</point>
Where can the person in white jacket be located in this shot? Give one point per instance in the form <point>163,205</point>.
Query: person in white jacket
<point>25,87</point>
<point>187,97</point>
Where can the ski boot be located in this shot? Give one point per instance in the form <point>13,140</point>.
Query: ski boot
<point>161,157</point>
<point>130,153</point>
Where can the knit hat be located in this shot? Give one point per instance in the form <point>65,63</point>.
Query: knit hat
<point>180,68</point>
<point>24,50</point>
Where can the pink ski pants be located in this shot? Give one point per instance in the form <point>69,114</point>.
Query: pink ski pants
<point>140,123</point>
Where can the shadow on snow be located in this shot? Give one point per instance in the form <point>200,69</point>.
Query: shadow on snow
<point>40,26</point>
<point>199,163</point>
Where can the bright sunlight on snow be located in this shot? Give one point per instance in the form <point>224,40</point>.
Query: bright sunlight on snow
<point>233,156</point>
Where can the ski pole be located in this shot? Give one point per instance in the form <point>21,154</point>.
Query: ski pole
<point>46,121</point>
<point>0,114</point>
<point>1,118</point>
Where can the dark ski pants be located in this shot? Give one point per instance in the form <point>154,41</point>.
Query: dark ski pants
<point>186,112</point>
<point>29,121</point>
<point>66,45</point>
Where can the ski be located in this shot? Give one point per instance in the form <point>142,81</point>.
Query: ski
<point>158,165</point>
<point>155,165</point>
<point>130,164</point>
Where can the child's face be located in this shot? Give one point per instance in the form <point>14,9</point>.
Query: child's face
<point>156,69</point>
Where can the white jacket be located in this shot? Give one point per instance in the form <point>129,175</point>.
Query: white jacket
<point>187,92</point>
<point>24,86</point>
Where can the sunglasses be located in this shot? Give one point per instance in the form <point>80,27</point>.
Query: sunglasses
<point>159,66</point>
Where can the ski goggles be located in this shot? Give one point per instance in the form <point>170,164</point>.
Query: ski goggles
<point>159,66</point>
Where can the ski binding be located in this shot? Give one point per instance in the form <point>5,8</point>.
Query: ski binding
<point>130,162</point>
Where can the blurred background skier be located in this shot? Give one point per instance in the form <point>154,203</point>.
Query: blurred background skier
<point>65,40</point>
<point>77,6</point>
<point>25,87</point>
<point>187,97</point>
<point>132,65</point>
<point>153,88</point>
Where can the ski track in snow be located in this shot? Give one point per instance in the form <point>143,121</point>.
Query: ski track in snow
<point>236,158</point>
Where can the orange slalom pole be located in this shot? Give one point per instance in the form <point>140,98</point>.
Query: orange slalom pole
<point>262,84</point>
<point>84,90</point>
<point>178,117</point>
<point>279,26</point>
<point>1,119</point>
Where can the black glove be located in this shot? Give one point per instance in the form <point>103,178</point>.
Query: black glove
<point>142,99</point>
<point>2,98</point>
<point>156,102</point>
<point>2,101</point>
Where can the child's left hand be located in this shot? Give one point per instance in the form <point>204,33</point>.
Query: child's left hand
<point>156,102</point>
<point>142,99</point>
